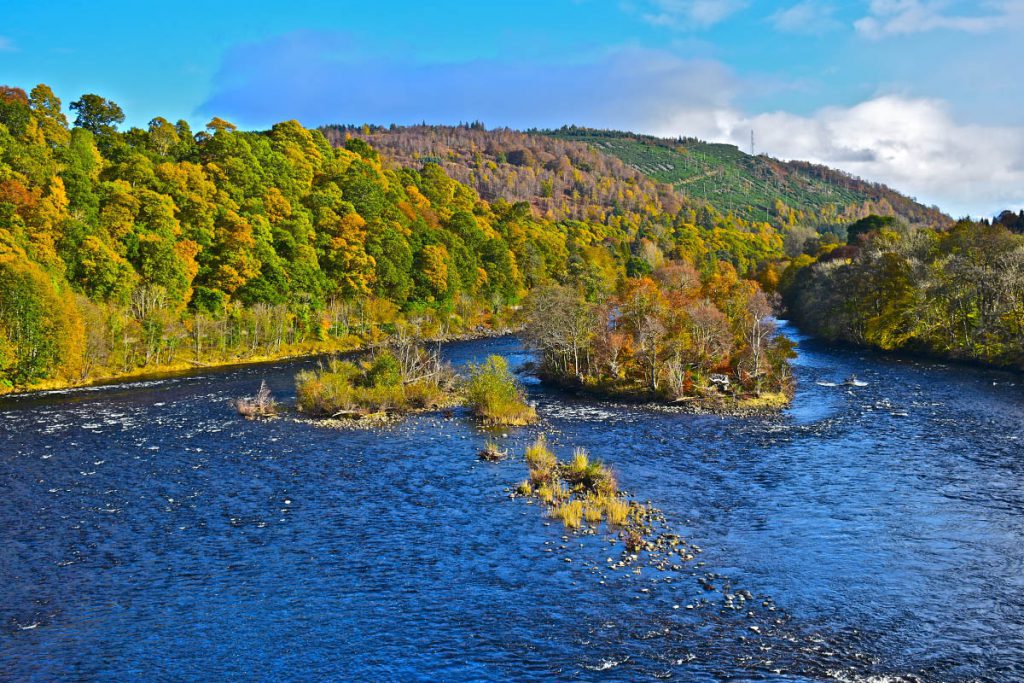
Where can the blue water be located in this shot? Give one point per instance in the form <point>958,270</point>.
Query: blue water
<point>147,533</point>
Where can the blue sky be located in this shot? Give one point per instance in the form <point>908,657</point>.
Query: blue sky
<point>923,94</point>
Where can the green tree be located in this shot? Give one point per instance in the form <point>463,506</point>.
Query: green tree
<point>97,115</point>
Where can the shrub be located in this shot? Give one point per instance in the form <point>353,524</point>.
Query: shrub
<point>494,395</point>
<point>385,371</point>
<point>345,389</point>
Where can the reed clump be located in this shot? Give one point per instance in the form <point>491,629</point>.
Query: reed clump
<point>495,397</point>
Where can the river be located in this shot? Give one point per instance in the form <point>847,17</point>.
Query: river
<point>148,533</point>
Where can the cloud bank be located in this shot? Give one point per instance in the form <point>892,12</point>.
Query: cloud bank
<point>913,144</point>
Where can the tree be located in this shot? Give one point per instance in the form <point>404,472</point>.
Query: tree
<point>41,330</point>
<point>860,230</point>
<point>98,115</point>
<point>47,109</point>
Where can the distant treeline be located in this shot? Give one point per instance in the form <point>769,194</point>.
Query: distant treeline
<point>956,293</point>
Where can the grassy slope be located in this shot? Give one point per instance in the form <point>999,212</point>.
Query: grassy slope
<point>732,180</point>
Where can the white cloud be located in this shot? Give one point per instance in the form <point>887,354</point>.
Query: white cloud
<point>690,14</point>
<point>914,145</point>
<point>7,45</point>
<point>809,16</point>
<point>899,17</point>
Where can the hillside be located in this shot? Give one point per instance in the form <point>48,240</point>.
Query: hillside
<point>750,186</point>
<point>565,172</point>
<point>164,247</point>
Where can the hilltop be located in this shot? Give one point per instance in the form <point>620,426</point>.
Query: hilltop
<point>579,173</point>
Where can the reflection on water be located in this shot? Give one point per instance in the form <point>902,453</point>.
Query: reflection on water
<point>870,533</point>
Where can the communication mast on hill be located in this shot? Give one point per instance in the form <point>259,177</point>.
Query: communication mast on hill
<point>752,148</point>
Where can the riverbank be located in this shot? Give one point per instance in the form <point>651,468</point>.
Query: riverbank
<point>188,368</point>
<point>720,403</point>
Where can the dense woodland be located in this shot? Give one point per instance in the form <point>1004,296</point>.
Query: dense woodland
<point>956,293</point>
<point>755,187</point>
<point>581,172</point>
<point>162,246</point>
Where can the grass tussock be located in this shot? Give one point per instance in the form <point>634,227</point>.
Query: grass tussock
<point>541,461</point>
<point>579,491</point>
<point>617,511</point>
<point>570,512</point>
<point>384,385</point>
<point>592,512</point>
<point>495,397</point>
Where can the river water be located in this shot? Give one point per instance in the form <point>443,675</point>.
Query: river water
<point>869,533</point>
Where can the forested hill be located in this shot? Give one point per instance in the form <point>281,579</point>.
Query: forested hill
<point>570,171</point>
<point>130,250</point>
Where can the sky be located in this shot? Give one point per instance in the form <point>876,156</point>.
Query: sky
<point>924,95</point>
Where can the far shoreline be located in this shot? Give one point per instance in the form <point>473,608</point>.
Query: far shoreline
<point>196,369</point>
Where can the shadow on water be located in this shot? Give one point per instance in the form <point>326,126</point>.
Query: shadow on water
<point>869,533</point>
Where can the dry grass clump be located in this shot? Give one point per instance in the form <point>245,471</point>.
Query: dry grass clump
<point>570,512</point>
<point>617,511</point>
<point>589,476</point>
<point>491,452</point>
<point>260,405</point>
<point>495,397</point>
<point>541,461</point>
<point>592,512</point>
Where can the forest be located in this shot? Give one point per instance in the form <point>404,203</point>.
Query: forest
<point>124,251</point>
<point>956,293</point>
<point>578,172</point>
<point>128,250</point>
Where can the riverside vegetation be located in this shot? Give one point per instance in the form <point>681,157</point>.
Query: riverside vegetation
<point>125,252</point>
<point>404,377</point>
<point>674,336</point>
<point>954,293</point>
<point>153,248</point>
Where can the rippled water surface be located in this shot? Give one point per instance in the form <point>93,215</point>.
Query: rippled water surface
<point>872,533</point>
